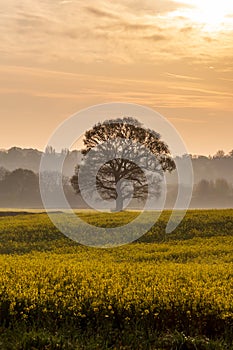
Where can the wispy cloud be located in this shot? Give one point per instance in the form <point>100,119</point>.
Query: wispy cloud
<point>124,32</point>
<point>64,2</point>
<point>74,87</point>
<point>156,37</point>
<point>100,13</point>
<point>182,77</point>
<point>153,7</point>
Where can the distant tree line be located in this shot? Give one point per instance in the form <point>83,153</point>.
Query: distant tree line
<point>211,168</point>
<point>16,158</point>
<point>20,189</point>
<point>218,191</point>
<point>19,180</point>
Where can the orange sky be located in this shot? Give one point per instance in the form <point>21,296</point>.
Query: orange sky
<point>60,56</point>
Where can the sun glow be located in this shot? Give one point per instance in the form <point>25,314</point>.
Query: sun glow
<point>212,14</point>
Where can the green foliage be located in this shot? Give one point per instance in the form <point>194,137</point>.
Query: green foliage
<point>163,292</point>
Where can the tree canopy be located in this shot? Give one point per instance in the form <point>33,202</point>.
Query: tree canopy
<point>123,156</point>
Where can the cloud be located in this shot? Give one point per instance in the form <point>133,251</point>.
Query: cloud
<point>26,20</point>
<point>64,2</point>
<point>183,77</point>
<point>111,32</point>
<point>153,7</point>
<point>227,79</point>
<point>100,13</point>
<point>186,29</point>
<point>124,25</point>
<point>209,39</point>
<point>156,37</point>
<point>70,86</point>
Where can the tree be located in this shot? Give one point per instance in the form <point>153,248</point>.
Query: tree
<point>219,154</point>
<point>50,150</point>
<point>222,188</point>
<point>21,182</point>
<point>134,154</point>
<point>3,173</point>
<point>204,189</point>
<point>20,188</point>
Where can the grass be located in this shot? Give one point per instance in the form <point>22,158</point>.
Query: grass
<point>165,291</point>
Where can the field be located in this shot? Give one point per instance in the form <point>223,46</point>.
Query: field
<point>171,291</point>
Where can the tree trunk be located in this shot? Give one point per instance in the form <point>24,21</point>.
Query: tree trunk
<point>119,199</point>
<point>119,203</point>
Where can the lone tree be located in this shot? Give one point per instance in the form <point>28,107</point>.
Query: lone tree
<point>127,156</point>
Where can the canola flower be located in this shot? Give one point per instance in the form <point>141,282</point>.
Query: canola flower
<point>180,283</point>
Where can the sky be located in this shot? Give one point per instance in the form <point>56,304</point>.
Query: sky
<point>60,56</point>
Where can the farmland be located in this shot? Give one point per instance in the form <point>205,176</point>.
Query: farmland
<point>165,291</point>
